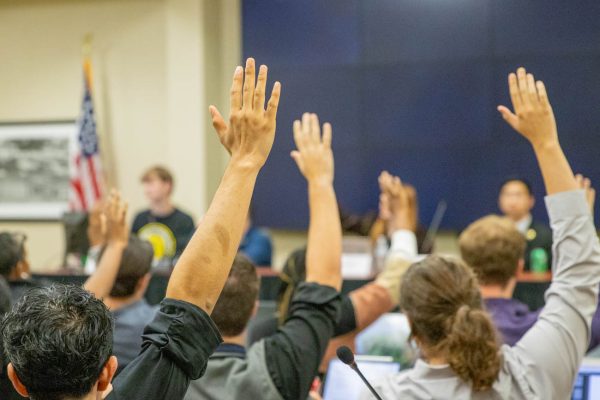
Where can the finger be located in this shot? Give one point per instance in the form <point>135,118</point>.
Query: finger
<point>533,97</point>
<point>103,224</point>
<point>298,159</point>
<point>508,116</point>
<point>522,79</point>
<point>273,102</point>
<point>297,127</point>
<point>579,180</point>
<point>315,129</point>
<point>327,135</point>
<point>217,120</point>
<point>249,81</point>
<point>259,92</point>
<point>587,183</point>
<point>515,96</point>
<point>542,94</point>
<point>236,89</point>
<point>305,131</point>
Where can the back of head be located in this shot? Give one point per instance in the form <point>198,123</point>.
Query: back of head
<point>58,339</point>
<point>441,299</point>
<point>493,247</point>
<point>11,252</point>
<point>136,262</point>
<point>236,302</point>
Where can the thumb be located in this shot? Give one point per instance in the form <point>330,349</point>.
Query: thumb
<point>508,116</point>
<point>217,120</point>
<point>298,159</point>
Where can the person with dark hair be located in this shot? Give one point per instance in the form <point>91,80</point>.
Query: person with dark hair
<point>69,355</point>
<point>283,365</point>
<point>130,310</point>
<point>516,201</point>
<point>460,354</point>
<point>14,265</point>
<point>165,226</point>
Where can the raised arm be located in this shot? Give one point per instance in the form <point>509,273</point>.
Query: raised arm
<point>202,269</point>
<point>534,119</point>
<point>117,236</point>
<point>315,161</point>
<point>553,348</point>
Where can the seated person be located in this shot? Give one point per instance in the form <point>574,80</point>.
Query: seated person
<point>126,301</point>
<point>7,392</point>
<point>257,245</point>
<point>58,340</point>
<point>460,354</point>
<point>516,201</point>
<point>361,307</point>
<point>283,365</point>
<point>14,265</point>
<point>166,227</point>
<point>494,249</point>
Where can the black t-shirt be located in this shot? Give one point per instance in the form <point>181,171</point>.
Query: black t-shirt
<point>168,234</point>
<point>175,350</point>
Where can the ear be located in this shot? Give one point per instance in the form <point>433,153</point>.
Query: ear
<point>107,374</point>
<point>16,382</point>
<point>255,310</point>
<point>532,202</point>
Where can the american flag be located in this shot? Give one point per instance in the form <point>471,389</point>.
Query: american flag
<point>87,182</point>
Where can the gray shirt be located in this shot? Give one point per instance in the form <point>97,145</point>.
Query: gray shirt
<point>544,363</point>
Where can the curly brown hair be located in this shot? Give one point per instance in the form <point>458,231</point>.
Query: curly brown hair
<point>441,298</point>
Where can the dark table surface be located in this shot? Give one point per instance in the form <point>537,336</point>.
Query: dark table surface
<point>529,290</point>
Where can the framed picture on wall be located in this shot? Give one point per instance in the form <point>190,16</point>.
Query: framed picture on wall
<point>34,169</point>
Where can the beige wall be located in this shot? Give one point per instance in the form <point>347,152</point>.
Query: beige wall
<point>158,64</point>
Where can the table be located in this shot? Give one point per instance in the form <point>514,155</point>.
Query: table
<point>530,288</point>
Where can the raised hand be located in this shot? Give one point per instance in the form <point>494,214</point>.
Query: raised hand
<point>590,193</point>
<point>115,213</point>
<point>313,156</point>
<point>533,116</point>
<point>250,133</point>
<point>96,231</point>
<point>401,202</point>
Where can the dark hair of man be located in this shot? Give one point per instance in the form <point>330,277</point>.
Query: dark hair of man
<point>523,181</point>
<point>58,339</point>
<point>160,172</point>
<point>5,298</point>
<point>236,303</point>
<point>11,252</point>
<point>136,262</point>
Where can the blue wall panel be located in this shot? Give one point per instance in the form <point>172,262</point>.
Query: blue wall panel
<point>412,86</point>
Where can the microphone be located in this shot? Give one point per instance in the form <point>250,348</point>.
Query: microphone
<point>347,357</point>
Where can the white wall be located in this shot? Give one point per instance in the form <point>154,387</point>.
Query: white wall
<point>157,66</point>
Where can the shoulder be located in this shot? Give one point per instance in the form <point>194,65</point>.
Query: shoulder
<point>183,216</point>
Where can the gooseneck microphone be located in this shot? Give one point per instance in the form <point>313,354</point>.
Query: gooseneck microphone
<point>347,357</point>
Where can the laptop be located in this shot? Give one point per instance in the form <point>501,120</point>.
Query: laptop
<point>587,384</point>
<point>342,383</point>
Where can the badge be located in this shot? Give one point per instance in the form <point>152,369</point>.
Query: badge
<point>531,234</point>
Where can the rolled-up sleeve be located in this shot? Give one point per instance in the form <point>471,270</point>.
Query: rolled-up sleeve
<point>294,353</point>
<point>175,349</point>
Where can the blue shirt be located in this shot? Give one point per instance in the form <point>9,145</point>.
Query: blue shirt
<point>257,247</point>
<point>130,322</point>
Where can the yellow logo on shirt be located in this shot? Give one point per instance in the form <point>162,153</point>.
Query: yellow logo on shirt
<point>161,238</point>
